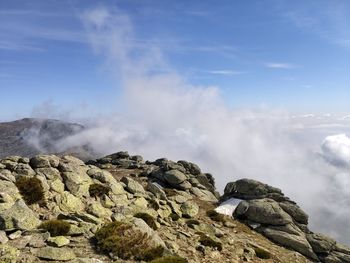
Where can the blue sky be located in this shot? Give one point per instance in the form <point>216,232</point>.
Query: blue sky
<point>293,55</point>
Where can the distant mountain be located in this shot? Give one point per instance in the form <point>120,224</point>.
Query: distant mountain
<point>28,137</point>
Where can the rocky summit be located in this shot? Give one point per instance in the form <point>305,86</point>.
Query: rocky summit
<point>120,208</point>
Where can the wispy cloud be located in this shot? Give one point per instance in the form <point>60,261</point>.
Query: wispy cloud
<point>276,65</point>
<point>225,72</point>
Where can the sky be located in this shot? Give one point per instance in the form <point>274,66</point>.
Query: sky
<point>292,55</point>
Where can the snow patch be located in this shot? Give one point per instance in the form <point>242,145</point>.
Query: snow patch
<point>228,206</point>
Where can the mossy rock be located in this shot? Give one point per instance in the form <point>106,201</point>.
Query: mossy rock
<point>169,259</point>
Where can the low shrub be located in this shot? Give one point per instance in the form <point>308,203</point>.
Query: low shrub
<point>56,227</point>
<point>126,242</point>
<point>98,190</point>
<point>262,253</point>
<point>169,259</point>
<point>210,242</point>
<point>148,219</point>
<point>215,216</point>
<point>31,190</point>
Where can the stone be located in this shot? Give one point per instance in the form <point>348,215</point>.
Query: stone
<point>70,203</point>
<point>250,189</point>
<point>190,167</point>
<point>44,161</point>
<point>15,235</point>
<point>48,172</point>
<point>99,211</point>
<point>321,243</point>
<point>86,260</point>
<point>8,254</point>
<point>295,212</point>
<point>264,211</point>
<point>144,228</point>
<point>298,243</point>
<point>57,186</point>
<point>19,216</point>
<point>77,181</point>
<point>58,241</point>
<point>156,189</point>
<point>37,240</point>
<point>189,209</point>
<point>24,170</point>
<point>132,186</point>
<point>174,177</point>
<point>53,253</point>
<point>203,195</point>
<point>3,237</point>
<point>7,175</point>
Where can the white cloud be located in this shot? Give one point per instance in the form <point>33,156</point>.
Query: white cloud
<point>279,65</point>
<point>336,149</point>
<point>225,72</point>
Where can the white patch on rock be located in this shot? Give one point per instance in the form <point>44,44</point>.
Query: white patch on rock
<point>228,206</point>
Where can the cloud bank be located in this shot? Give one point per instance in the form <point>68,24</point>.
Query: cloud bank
<point>160,114</point>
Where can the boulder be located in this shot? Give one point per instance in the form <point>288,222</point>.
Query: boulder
<point>53,253</point>
<point>156,189</point>
<point>264,211</point>
<point>44,161</point>
<point>189,209</point>
<point>295,212</point>
<point>174,177</point>
<point>132,186</point>
<point>247,189</point>
<point>298,243</point>
<point>321,243</point>
<point>18,216</point>
<point>58,241</point>
<point>191,168</point>
<point>70,203</point>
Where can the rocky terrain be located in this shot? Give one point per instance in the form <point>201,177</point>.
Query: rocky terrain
<point>121,208</point>
<point>28,137</point>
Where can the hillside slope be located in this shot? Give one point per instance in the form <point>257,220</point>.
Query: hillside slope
<point>163,208</point>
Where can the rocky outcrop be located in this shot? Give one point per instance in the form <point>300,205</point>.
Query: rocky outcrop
<point>169,204</point>
<point>269,212</point>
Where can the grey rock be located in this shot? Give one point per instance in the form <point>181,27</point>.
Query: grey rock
<point>264,211</point>
<point>295,212</point>
<point>321,243</point>
<point>18,216</point>
<point>3,237</point>
<point>53,253</point>
<point>156,189</point>
<point>298,243</point>
<point>174,177</point>
<point>132,186</point>
<point>189,209</point>
<point>190,167</point>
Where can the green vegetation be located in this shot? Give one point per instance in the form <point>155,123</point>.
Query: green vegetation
<point>126,242</point>
<point>148,219</point>
<point>262,253</point>
<point>98,190</point>
<point>169,259</point>
<point>31,190</point>
<point>56,227</point>
<point>215,216</point>
<point>210,242</point>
